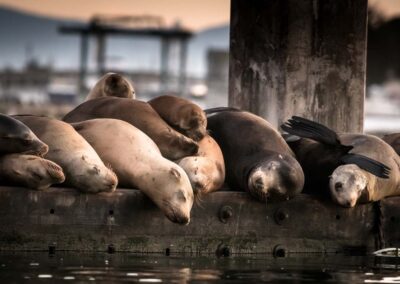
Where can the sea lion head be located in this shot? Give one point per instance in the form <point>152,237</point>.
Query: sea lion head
<point>16,137</point>
<point>95,177</point>
<point>35,172</point>
<point>347,183</point>
<point>115,85</point>
<point>192,121</point>
<point>177,196</point>
<point>201,173</point>
<point>43,173</point>
<point>181,146</point>
<point>277,178</point>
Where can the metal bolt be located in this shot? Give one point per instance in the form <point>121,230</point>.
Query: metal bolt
<point>281,216</point>
<point>223,251</point>
<point>52,248</point>
<point>279,251</point>
<point>111,248</point>
<point>225,213</point>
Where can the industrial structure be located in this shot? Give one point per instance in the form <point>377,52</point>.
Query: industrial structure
<point>101,27</point>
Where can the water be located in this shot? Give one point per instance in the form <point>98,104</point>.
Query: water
<point>124,267</point>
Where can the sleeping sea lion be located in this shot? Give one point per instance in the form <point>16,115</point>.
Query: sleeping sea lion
<point>185,116</point>
<point>350,168</point>
<point>82,166</point>
<point>206,170</point>
<point>112,85</point>
<point>30,171</point>
<point>257,158</point>
<point>173,145</point>
<point>16,137</point>
<point>139,164</point>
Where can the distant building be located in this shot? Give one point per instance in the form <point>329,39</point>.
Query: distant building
<point>25,86</point>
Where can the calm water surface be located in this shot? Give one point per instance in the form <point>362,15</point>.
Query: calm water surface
<point>124,267</point>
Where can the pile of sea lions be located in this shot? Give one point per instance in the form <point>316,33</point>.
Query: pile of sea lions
<point>173,151</point>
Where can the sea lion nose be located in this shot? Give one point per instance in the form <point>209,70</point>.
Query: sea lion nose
<point>181,219</point>
<point>338,186</point>
<point>348,204</point>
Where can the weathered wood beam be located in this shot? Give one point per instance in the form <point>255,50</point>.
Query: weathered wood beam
<point>308,58</point>
<point>223,223</point>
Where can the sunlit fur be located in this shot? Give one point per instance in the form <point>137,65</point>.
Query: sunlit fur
<point>276,179</point>
<point>346,184</point>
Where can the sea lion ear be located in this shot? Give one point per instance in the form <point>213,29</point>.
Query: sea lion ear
<point>175,173</point>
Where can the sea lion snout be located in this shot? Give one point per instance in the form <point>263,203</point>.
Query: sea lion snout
<point>102,179</point>
<point>175,213</point>
<point>185,147</point>
<point>197,134</point>
<point>262,181</point>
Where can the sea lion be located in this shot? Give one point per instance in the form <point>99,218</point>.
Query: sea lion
<point>16,137</point>
<point>206,170</point>
<point>393,140</point>
<point>185,116</point>
<point>257,158</point>
<point>138,163</point>
<point>82,166</point>
<point>173,145</point>
<point>112,85</point>
<point>30,171</point>
<point>351,168</point>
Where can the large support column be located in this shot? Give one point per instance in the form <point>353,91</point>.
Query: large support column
<point>291,57</point>
<point>101,53</point>
<point>83,64</point>
<point>165,53</point>
<point>182,65</point>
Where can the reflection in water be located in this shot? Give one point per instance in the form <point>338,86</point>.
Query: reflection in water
<point>121,268</point>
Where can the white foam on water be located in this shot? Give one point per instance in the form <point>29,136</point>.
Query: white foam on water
<point>132,274</point>
<point>150,280</point>
<point>45,276</point>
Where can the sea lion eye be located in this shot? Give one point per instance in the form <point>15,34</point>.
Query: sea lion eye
<point>338,186</point>
<point>180,196</point>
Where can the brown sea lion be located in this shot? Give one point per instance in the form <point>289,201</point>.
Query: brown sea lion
<point>257,159</point>
<point>393,140</point>
<point>82,166</point>
<point>112,85</point>
<point>173,145</point>
<point>16,137</point>
<point>206,170</point>
<point>139,164</point>
<point>30,171</point>
<point>185,116</point>
<point>356,167</point>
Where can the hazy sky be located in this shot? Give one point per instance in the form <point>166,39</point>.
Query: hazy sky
<point>194,14</point>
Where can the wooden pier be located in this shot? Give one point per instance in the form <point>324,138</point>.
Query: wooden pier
<point>222,224</point>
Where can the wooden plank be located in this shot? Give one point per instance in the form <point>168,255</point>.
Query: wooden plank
<point>307,58</point>
<point>390,220</point>
<point>127,220</point>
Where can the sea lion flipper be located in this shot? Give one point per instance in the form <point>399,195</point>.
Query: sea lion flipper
<point>310,129</point>
<point>210,111</point>
<point>372,166</point>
